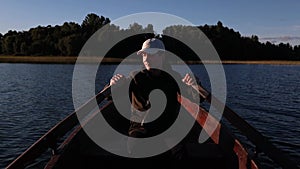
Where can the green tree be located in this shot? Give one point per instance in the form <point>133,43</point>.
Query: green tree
<point>69,28</point>
<point>8,43</point>
<point>68,39</point>
<point>1,38</point>
<point>254,38</point>
<point>92,23</point>
<point>297,52</point>
<point>70,45</point>
<point>135,27</point>
<point>38,33</point>
<point>219,27</point>
<point>149,28</point>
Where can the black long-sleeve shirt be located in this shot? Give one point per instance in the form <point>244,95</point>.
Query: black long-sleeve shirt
<point>141,85</point>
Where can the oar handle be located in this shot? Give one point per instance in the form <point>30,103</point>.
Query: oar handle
<point>202,92</point>
<point>104,93</point>
<point>105,89</point>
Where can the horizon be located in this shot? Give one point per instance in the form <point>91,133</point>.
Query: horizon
<point>276,22</point>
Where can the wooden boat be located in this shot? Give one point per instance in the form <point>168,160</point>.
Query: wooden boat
<point>72,148</point>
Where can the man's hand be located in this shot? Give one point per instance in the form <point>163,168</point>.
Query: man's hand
<point>117,79</point>
<point>188,80</point>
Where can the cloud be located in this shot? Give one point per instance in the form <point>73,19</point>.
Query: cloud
<point>296,27</point>
<point>293,40</point>
<point>281,38</point>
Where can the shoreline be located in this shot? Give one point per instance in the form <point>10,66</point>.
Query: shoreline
<point>73,59</point>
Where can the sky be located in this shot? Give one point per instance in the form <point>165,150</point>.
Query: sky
<point>271,20</point>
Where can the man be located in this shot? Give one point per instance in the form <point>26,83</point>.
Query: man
<point>156,74</point>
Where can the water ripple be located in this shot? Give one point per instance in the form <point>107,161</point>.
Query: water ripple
<point>35,97</point>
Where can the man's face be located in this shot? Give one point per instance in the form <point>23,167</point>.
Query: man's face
<point>152,60</point>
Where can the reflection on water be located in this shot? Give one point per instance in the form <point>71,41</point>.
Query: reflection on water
<point>35,97</point>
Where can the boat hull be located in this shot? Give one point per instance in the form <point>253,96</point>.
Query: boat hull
<point>79,151</point>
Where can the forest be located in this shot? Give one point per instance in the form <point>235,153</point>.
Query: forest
<point>69,38</point>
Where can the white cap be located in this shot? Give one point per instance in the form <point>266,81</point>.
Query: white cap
<point>152,46</point>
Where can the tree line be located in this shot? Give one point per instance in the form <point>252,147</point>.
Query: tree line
<point>69,38</point>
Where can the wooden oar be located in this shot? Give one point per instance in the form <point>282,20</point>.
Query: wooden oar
<point>261,142</point>
<point>49,139</point>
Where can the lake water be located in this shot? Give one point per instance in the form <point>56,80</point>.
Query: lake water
<point>34,97</point>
